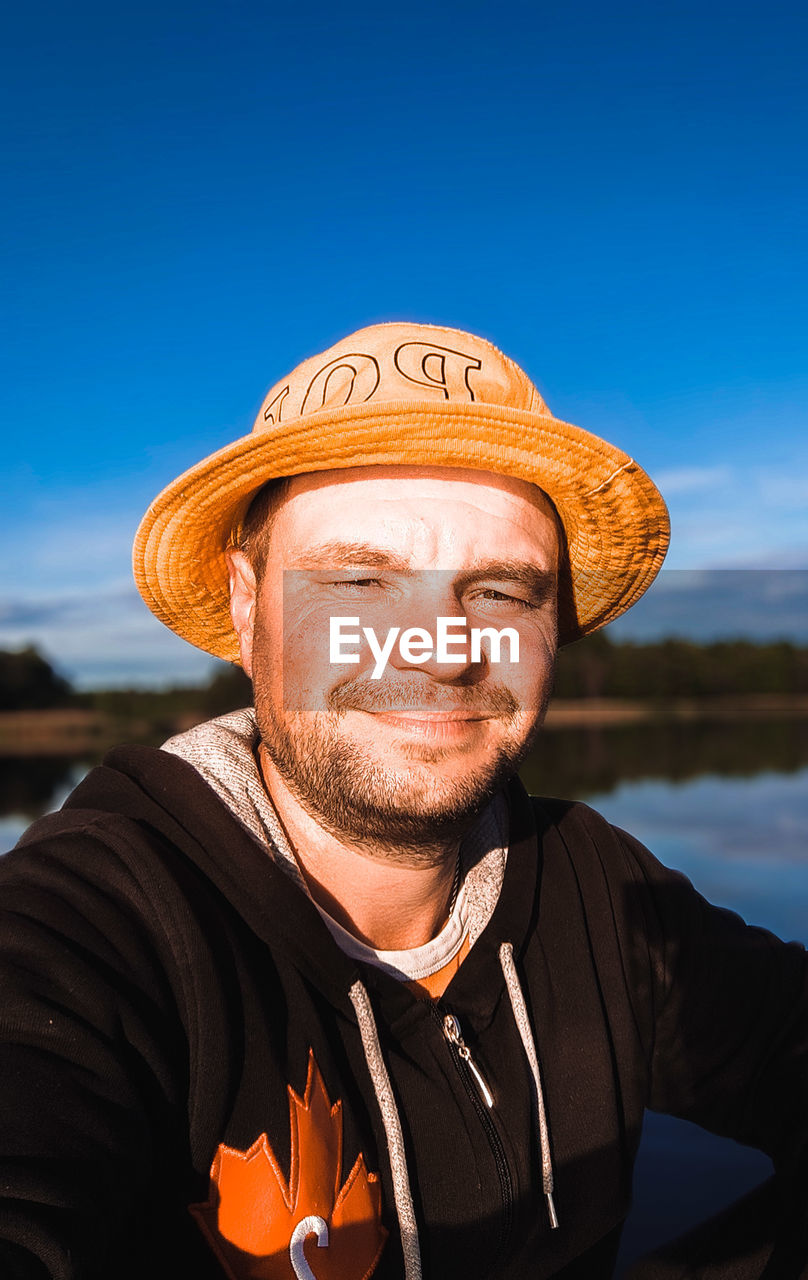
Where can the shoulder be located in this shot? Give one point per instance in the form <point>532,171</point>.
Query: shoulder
<point>586,835</point>
<point>108,863</point>
<point>138,798</point>
<point>621,888</point>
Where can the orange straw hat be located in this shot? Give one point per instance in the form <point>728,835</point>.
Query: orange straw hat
<point>405,394</point>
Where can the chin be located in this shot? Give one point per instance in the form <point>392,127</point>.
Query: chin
<point>387,793</point>
<point>417,801</point>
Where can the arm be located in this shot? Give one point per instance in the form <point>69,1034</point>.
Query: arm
<point>729,1051</point>
<point>92,1060</point>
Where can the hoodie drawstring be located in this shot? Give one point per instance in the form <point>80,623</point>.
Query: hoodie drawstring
<point>385,1098</point>
<point>523,1024</point>
<point>402,1194</point>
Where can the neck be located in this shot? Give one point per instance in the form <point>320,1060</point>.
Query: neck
<point>388,902</point>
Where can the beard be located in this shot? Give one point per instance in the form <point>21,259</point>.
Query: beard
<point>408,810</point>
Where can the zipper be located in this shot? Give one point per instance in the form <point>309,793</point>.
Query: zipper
<point>451,1029</point>
<point>482,1100</point>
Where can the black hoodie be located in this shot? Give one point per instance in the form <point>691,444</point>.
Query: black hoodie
<point>195,1078</point>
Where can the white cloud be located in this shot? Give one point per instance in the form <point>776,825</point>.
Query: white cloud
<point>678,480</point>
<point>759,604</point>
<point>66,587</point>
<point>102,638</point>
<point>750,517</point>
<point>784,489</point>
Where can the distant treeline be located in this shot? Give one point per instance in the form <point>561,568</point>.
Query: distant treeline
<point>28,682</point>
<point>227,689</point>
<point>595,667</point>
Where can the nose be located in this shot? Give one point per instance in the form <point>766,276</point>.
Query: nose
<point>434,636</point>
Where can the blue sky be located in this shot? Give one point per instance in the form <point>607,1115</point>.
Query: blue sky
<point>201,194</point>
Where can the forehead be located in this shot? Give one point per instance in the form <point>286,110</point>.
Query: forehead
<point>434,515</point>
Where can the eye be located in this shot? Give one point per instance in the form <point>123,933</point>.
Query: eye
<point>346,584</point>
<point>494,596</point>
<point>490,593</point>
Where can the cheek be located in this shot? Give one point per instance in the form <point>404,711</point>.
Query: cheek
<point>267,652</point>
<point>305,673</point>
<point>530,679</point>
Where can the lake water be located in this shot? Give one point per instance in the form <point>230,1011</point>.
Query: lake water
<point>744,844</point>
<point>728,805</point>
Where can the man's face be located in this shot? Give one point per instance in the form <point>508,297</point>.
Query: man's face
<point>417,751</point>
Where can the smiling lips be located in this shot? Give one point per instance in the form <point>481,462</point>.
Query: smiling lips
<point>438,726</point>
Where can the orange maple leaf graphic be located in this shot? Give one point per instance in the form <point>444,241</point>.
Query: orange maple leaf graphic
<point>263,1228</point>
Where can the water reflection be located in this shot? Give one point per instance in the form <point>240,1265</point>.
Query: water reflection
<point>28,784</point>
<point>581,763</point>
<point>31,786</point>
<point>744,844</point>
<point>575,763</point>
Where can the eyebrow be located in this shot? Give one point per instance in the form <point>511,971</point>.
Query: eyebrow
<point>326,555</point>
<point>365,555</point>
<point>539,582</point>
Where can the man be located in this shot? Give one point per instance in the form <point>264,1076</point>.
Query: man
<point>317,990</point>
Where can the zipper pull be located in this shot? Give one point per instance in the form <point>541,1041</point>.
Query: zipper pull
<point>451,1029</point>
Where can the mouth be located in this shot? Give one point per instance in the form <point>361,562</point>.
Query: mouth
<point>437,726</point>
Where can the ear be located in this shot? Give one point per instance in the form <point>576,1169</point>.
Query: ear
<point>242,604</point>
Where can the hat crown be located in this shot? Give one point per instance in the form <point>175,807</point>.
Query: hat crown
<point>400,362</point>
<point>405,394</point>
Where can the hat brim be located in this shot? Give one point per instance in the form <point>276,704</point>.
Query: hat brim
<point>615,520</point>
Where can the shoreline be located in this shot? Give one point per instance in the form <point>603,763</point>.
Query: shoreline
<point>75,731</point>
